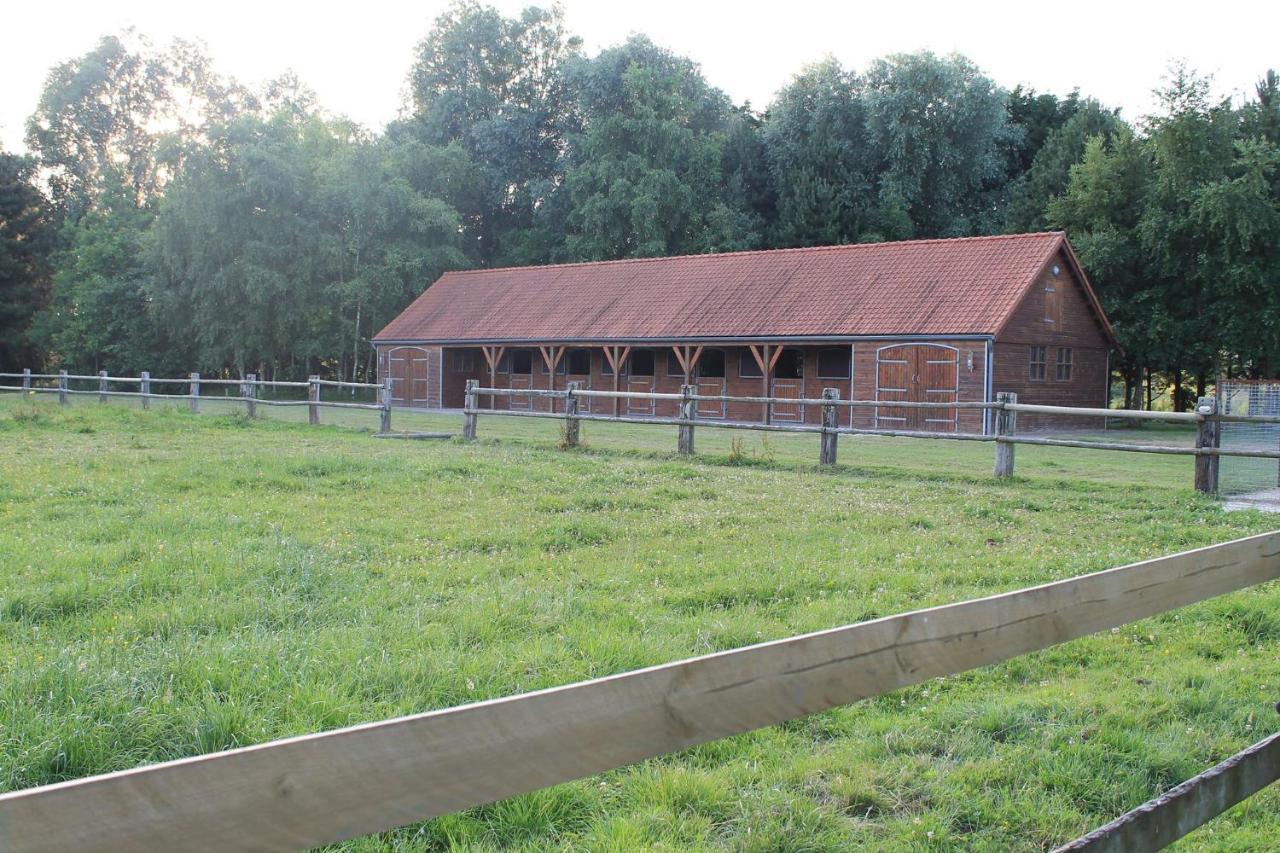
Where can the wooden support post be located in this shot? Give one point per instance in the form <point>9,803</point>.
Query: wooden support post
<point>572,426</point>
<point>469,411</point>
<point>830,423</point>
<point>102,386</point>
<point>26,379</point>
<point>1207,437</point>
<point>146,389</point>
<point>195,392</point>
<point>250,386</point>
<point>1006,427</point>
<point>688,414</point>
<point>384,416</point>
<point>62,387</point>
<point>313,399</point>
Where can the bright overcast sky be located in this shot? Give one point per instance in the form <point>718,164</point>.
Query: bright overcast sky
<point>356,55</point>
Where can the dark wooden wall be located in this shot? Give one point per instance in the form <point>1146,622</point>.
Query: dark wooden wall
<point>1079,330</point>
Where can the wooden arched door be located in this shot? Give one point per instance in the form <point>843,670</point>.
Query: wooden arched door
<point>917,373</point>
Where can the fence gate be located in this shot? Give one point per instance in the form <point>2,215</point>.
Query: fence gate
<point>1243,480</point>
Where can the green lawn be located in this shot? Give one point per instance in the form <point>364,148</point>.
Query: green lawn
<point>172,584</point>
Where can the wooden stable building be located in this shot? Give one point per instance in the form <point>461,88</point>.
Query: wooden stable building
<point>921,320</point>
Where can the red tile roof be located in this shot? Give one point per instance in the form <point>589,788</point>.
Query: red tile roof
<point>918,287</point>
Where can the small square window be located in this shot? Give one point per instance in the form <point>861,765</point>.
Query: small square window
<point>748,368</point>
<point>833,363</point>
<point>1062,368</point>
<point>578,362</point>
<point>711,364</point>
<point>522,361</point>
<point>1036,372</point>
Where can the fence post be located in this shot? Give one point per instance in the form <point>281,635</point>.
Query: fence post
<point>688,414</point>
<point>195,392</point>
<point>469,411</point>
<point>1006,428</point>
<point>146,389</point>
<point>830,422</point>
<point>572,426</point>
<point>62,387</point>
<point>313,400</point>
<point>250,387</point>
<point>384,423</point>
<point>102,386</point>
<point>1207,437</point>
<point>26,379</point>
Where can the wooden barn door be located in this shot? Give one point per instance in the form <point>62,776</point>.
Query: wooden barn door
<point>577,366</point>
<point>788,384</point>
<point>419,379</point>
<point>916,373</point>
<point>398,370</point>
<point>641,370</point>
<point>710,381</point>
<point>410,375</point>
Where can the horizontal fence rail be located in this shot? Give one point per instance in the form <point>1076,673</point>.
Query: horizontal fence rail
<point>1005,409</point>
<point>323,788</point>
<point>248,388</point>
<point>1158,823</point>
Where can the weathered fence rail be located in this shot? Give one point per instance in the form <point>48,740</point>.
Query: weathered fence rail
<point>1159,822</point>
<point>249,391</point>
<point>322,788</point>
<point>1005,435</point>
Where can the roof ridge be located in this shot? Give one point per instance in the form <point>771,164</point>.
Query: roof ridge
<point>790,249</point>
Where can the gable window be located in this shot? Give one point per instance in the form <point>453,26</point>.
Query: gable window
<point>578,362</point>
<point>833,363</point>
<point>1062,368</point>
<point>747,366</point>
<point>1053,302</point>
<point>711,364</point>
<point>1036,371</point>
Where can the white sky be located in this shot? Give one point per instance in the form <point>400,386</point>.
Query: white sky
<point>356,55</point>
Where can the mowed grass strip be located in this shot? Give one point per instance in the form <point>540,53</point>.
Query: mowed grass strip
<point>173,584</point>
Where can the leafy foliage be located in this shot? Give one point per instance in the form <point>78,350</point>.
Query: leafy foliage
<point>193,220</point>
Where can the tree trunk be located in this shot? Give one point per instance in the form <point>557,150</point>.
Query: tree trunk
<point>1178,400</point>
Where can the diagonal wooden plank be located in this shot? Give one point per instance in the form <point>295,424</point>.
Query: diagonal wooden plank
<point>326,787</point>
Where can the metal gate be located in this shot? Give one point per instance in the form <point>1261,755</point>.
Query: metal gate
<point>1244,480</point>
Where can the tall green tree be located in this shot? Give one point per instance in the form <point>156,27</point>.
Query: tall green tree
<point>124,107</point>
<point>1102,208</point>
<point>497,87</point>
<point>645,176</point>
<point>1050,167</point>
<point>25,241</point>
<point>819,151</point>
<point>98,317</point>
<point>938,131</point>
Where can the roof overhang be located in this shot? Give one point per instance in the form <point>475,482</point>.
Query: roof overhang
<point>693,339</point>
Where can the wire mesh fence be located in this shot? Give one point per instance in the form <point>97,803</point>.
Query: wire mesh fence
<point>1244,479</point>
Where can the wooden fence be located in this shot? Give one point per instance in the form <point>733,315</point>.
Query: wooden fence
<point>1005,438</point>
<point>248,388</point>
<point>323,788</point>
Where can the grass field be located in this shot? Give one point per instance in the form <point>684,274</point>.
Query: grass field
<point>173,584</point>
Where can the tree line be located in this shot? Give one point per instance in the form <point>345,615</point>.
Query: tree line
<point>170,218</point>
